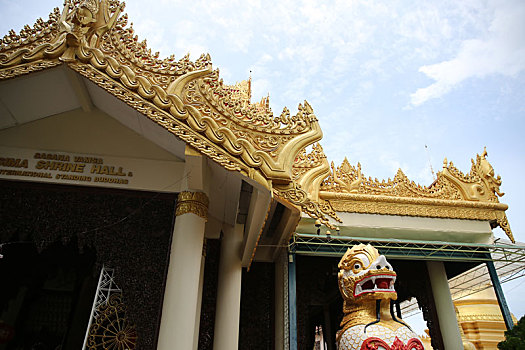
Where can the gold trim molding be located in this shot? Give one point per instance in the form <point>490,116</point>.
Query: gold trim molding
<point>354,197</point>
<point>480,317</point>
<point>192,202</point>
<point>27,68</point>
<point>416,208</point>
<point>259,235</point>
<point>363,204</point>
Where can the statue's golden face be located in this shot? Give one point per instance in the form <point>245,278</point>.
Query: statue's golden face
<point>366,275</point>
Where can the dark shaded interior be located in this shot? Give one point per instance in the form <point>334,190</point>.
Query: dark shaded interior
<point>58,237</point>
<point>257,307</point>
<point>209,294</point>
<point>319,302</point>
<point>48,298</point>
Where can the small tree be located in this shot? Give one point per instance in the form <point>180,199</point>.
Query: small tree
<point>514,338</point>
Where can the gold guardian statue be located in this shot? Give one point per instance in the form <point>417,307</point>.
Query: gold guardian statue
<point>366,282</point>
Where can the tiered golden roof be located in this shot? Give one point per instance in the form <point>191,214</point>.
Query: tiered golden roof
<point>189,99</point>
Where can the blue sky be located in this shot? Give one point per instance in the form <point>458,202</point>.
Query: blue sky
<point>385,78</point>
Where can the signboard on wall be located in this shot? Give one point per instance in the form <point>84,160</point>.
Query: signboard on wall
<point>90,170</point>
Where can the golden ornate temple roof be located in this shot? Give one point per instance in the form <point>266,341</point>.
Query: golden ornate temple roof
<point>452,195</point>
<point>188,99</point>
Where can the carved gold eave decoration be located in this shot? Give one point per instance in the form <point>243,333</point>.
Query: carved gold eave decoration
<point>309,170</point>
<point>186,98</point>
<point>452,195</point>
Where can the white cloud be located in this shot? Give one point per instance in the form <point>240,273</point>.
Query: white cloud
<point>502,51</point>
<point>261,88</point>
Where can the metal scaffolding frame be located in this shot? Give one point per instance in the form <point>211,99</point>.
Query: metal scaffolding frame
<point>323,245</point>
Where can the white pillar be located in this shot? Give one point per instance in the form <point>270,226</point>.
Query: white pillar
<point>199,301</point>
<point>448,322</point>
<point>179,309</point>
<point>226,333</point>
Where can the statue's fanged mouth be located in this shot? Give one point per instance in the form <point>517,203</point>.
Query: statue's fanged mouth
<point>376,283</point>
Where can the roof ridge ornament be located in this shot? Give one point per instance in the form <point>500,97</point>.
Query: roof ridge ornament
<point>85,22</point>
<point>81,28</point>
<point>479,184</point>
<point>30,34</point>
